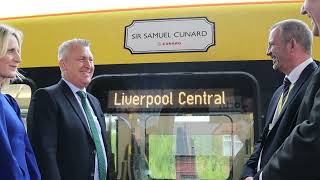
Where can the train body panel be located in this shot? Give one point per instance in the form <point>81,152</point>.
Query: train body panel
<point>241,33</point>
<point>197,140</point>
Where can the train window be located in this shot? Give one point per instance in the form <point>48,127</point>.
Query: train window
<point>22,94</point>
<point>179,125</point>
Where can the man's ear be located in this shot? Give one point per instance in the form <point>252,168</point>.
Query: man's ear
<point>292,45</point>
<point>62,65</point>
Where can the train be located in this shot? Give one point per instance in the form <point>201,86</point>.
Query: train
<point>184,88</point>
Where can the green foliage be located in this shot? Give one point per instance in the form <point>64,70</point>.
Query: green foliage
<point>210,163</point>
<point>113,145</point>
<point>162,156</point>
<point>212,167</point>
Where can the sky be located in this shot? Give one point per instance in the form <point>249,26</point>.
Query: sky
<point>18,8</point>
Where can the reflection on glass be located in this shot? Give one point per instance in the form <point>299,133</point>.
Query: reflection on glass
<point>22,94</point>
<point>188,146</point>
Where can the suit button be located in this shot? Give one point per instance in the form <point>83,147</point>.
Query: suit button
<point>92,174</point>
<point>93,152</point>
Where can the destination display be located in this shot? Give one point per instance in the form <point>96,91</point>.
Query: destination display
<point>214,99</point>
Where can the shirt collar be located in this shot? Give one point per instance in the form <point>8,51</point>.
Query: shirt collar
<point>296,72</point>
<point>73,88</point>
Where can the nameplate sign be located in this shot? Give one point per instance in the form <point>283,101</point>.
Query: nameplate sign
<point>170,35</point>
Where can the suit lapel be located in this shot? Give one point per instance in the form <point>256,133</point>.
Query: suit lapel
<point>101,120</point>
<point>302,79</point>
<point>271,112</point>
<point>100,116</point>
<point>306,73</point>
<point>74,103</point>
<point>273,105</point>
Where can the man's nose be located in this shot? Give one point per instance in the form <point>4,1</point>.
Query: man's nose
<point>268,52</point>
<point>87,63</point>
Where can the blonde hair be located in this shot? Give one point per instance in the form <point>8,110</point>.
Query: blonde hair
<point>5,32</point>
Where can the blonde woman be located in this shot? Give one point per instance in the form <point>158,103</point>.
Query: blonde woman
<point>17,160</point>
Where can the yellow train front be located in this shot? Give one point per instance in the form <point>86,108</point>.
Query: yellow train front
<point>184,89</point>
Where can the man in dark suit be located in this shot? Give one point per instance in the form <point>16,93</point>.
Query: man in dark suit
<point>290,43</point>
<point>65,123</point>
<point>298,157</point>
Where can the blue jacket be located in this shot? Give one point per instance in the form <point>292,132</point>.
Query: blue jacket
<point>17,160</point>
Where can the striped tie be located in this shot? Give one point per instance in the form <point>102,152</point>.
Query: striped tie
<point>286,85</point>
<point>95,136</point>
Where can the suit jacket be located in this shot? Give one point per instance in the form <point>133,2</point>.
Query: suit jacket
<point>298,158</point>
<point>17,160</point>
<point>270,141</point>
<point>60,135</point>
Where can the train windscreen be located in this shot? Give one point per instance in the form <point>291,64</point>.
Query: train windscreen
<point>179,125</point>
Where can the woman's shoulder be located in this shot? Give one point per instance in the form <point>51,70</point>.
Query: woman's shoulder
<point>10,99</point>
<point>12,102</point>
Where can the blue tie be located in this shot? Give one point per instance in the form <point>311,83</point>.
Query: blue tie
<point>94,132</point>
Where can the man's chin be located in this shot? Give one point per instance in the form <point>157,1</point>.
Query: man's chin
<point>85,84</point>
<point>275,67</point>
